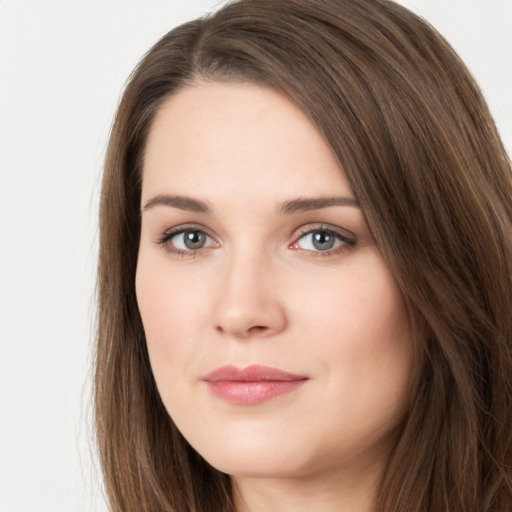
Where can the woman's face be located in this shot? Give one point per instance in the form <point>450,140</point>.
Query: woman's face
<point>278,338</point>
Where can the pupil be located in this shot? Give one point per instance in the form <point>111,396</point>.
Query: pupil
<point>194,239</point>
<point>323,241</point>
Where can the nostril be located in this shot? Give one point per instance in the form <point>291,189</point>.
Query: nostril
<point>242,332</point>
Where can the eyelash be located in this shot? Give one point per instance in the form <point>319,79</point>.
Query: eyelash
<point>346,241</point>
<point>168,235</point>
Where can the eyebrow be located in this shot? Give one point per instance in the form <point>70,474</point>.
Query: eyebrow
<point>299,205</point>
<point>310,204</point>
<point>181,202</point>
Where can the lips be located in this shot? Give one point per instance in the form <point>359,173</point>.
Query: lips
<point>251,385</point>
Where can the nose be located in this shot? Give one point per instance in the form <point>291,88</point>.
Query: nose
<point>248,300</point>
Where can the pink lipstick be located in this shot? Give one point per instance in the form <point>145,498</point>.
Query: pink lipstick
<point>251,385</point>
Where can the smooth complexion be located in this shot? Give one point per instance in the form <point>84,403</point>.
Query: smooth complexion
<point>255,253</point>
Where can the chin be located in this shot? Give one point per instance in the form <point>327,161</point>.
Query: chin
<point>269,458</point>
<point>247,455</point>
<point>255,465</point>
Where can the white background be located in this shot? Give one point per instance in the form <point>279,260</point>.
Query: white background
<point>63,64</point>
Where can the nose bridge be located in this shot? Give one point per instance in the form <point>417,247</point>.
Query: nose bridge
<point>247,303</point>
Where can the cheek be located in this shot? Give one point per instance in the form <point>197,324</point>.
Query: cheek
<point>171,315</point>
<point>174,315</point>
<point>359,326</point>
<point>359,307</point>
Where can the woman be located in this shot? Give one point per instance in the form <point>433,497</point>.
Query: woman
<point>305,270</point>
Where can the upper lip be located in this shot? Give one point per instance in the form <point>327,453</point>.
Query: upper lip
<point>252,373</point>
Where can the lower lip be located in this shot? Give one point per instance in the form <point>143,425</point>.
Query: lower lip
<point>252,393</point>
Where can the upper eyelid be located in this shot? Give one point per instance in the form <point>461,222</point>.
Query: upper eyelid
<point>311,228</point>
<point>181,228</point>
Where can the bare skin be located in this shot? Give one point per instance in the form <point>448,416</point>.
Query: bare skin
<point>254,251</point>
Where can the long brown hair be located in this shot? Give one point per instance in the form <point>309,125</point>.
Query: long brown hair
<point>417,142</point>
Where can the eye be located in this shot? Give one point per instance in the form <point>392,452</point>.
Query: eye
<point>186,241</point>
<point>190,240</point>
<point>323,240</point>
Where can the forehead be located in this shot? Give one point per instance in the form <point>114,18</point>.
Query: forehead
<point>237,137</point>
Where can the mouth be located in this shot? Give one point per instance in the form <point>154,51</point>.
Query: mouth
<point>252,385</point>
